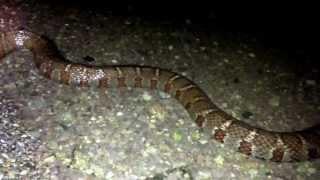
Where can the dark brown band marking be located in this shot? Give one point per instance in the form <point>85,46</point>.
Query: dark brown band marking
<point>2,50</point>
<point>245,148</point>
<point>121,78</point>
<point>138,78</point>
<point>122,82</point>
<point>104,82</point>
<point>188,105</point>
<point>6,43</point>
<point>46,69</point>
<point>279,151</point>
<point>246,145</point>
<point>219,135</point>
<point>138,82</point>
<point>154,80</point>
<point>153,83</point>
<point>277,155</point>
<point>200,121</point>
<point>169,83</point>
<point>183,90</point>
<point>65,74</point>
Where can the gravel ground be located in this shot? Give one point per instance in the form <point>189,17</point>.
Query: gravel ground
<point>53,131</point>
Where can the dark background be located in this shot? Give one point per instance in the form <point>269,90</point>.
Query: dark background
<point>289,27</point>
<point>277,24</point>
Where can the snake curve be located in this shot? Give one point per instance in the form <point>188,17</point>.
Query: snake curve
<point>251,141</point>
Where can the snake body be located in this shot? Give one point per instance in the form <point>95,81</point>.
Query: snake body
<point>251,141</point>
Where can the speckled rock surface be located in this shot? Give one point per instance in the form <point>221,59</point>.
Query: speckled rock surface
<point>53,131</point>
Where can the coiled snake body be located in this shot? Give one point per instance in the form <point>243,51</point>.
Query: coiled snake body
<point>273,146</point>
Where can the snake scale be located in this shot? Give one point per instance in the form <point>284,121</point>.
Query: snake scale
<point>251,141</point>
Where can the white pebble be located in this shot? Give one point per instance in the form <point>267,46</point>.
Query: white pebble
<point>176,57</point>
<point>119,113</point>
<point>188,21</point>
<point>252,55</point>
<point>274,101</point>
<point>146,96</point>
<point>311,82</point>
<point>114,61</point>
<point>109,175</point>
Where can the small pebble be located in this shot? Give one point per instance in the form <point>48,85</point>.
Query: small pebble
<point>119,113</point>
<point>311,82</point>
<point>127,22</point>
<point>274,101</point>
<point>114,61</point>
<point>252,55</point>
<point>176,57</point>
<point>219,160</point>
<point>146,96</point>
<point>188,21</point>
<point>202,48</point>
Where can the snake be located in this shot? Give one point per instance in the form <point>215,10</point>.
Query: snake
<point>221,127</point>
